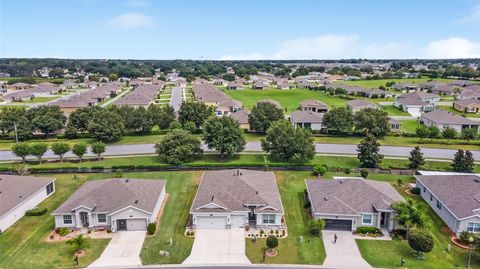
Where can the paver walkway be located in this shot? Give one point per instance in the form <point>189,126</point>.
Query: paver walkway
<point>218,246</point>
<point>123,250</point>
<point>344,253</point>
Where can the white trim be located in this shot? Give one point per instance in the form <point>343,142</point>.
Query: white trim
<point>195,198</point>
<point>71,219</point>
<point>130,206</point>
<point>80,206</point>
<point>211,203</point>
<point>371,219</point>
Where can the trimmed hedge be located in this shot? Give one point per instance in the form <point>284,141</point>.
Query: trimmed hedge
<point>415,190</point>
<point>38,211</point>
<point>368,230</point>
<point>151,228</point>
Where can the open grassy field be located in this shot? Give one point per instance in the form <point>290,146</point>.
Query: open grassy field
<point>382,82</point>
<point>409,126</point>
<point>23,246</point>
<point>288,99</point>
<point>290,249</point>
<point>40,99</point>
<point>387,254</point>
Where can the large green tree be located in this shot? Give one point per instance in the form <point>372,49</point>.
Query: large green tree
<point>195,112</point>
<point>38,149</point>
<point>339,120</point>
<point>463,161</point>
<point>416,158</point>
<point>162,116</point>
<point>21,150</point>
<point>178,147</point>
<point>46,119</point>
<point>421,241</point>
<point>79,150</point>
<point>368,152</point>
<point>263,115</point>
<point>98,148</point>
<point>78,121</point>
<point>411,214</point>
<point>224,135</point>
<point>375,121</point>
<point>106,125</point>
<point>287,143</point>
<point>60,148</point>
<point>11,117</point>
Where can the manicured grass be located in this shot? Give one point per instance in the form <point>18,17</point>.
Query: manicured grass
<point>409,126</point>
<point>23,246</point>
<point>288,99</point>
<point>181,187</point>
<point>41,99</point>
<point>382,82</point>
<point>387,254</point>
<point>290,249</point>
<point>340,162</point>
<point>467,115</point>
<point>394,111</point>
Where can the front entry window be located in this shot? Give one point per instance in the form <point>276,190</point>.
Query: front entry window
<point>268,219</point>
<point>367,219</point>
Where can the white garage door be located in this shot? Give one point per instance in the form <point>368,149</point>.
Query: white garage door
<point>238,221</point>
<point>211,222</point>
<point>136,225</point>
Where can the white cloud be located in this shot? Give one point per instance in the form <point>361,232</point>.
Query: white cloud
<point>455,47</point>
<point>136,3</point>
<point>319,47</point>
<point>349,46</point>
<point>472,18</point>
<point>129,21</point>
<point>250,56</point>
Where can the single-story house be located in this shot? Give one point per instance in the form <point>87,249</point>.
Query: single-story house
<point>442,119</point>
<point>406,87</point>
<point>242,117</point>
<point>284,86</point>
<point>414,107</point>
<point>358,104</point>
<point>236,198</point>
<point>467,105</point>
<point>394,125</point>
<point>259,85</point>
<point>454,198</point>
<point>307,119</point>
<point>270,101</point>
<point>424,96</point>
<point>314,106</point>
<point>118,204</point>
<point>18,194</point>
<point>233,85</point>
<point>228,106</point>
<point>348,203</point>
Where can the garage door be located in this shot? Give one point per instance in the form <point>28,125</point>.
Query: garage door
<point>338,224</point>
<point>136,225</point>
<point>211,222</point>
<point>238,221</point>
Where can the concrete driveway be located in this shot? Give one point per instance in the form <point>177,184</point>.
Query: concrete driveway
<point>344,253</point>
<point>217,246</point>
<point>123,250</point>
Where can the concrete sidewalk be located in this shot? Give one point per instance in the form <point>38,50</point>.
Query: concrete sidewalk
<point>344,253</point>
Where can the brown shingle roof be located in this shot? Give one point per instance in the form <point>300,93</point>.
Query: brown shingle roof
<point>306,116</point>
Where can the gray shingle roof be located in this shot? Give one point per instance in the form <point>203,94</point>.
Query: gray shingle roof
<point>110,195</point>
<point>16,189</point>
<point>241,116</point>
<point>313,103</point>
<point>459,193</point>
<point>351,196</point>
<point>232,189</point>
<point>440,116</point>
<point>358,103</point>
<point>306,116</point>
<point>411,102</point>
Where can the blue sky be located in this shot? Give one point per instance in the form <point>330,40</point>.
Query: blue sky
<point>234,29</point>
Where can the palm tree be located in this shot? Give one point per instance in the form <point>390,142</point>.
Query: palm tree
<point>78,243</point>
<point>411,214</point>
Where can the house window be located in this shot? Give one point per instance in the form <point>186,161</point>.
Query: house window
<point>367,219</point>
<point>473,227</point>
<point>424,189</point>
<point>102,218</point>
<point>439,205</point>
<point>431,197</point>
<point>67,219</point>
<point>49,188</point>
<point>268,219</point>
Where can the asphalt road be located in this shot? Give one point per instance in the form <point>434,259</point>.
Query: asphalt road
<point>254,266</point>
<point>344,149</point>
<point>176,98</point>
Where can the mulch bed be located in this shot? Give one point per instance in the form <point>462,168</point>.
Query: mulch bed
<point>271,252</point>
<point>456,241</point>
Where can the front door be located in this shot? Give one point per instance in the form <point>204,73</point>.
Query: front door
<point>84,218</point>
<point>122,225</point>
<point>383,218</point>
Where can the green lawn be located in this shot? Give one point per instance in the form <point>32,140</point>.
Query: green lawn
<point>288,99</point>
<point>41,99</point>
<point>394,111</point>
<point>23,246</point>
<point>467,115</point>
<point>387,254</point>
<point>290,249</point>
<point>409,126</point>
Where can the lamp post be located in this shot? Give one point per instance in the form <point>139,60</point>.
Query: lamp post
<point>470,242</point>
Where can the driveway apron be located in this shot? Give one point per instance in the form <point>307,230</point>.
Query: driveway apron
<point>123,250</point>
<point>344,253</point>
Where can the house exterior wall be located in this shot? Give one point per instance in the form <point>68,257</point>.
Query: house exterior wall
<point>462,225</point>
<point>18,212</point>
<point>355,219</point>
<point>447,217</point>
<point>158,205</point>
<point>59,221</point>
<point>278,219</point>
<point>428,122</point>
<point>128,213</point>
